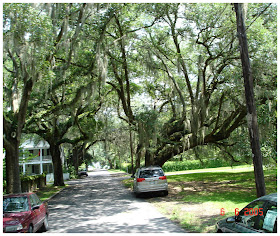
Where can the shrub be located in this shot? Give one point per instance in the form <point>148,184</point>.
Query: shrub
<point>72,172</point>
<point>193,164</point>
<point>31,183</point>
<point>126,167</point>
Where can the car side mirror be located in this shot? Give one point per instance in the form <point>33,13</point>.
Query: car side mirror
<point>230,220</point>
<point>35,207</point>
<point>238,218</point>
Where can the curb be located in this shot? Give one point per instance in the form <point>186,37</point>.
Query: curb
<point>55,194</point>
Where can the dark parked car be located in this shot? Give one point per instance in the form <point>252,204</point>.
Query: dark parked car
<point>82,173</point>
<point>24,213</point>
<point>260,216</point>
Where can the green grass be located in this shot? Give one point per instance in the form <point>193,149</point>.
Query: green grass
<point>48,191</point>
<point>195,164</point>
<point>195,200</point>
<point>117,171</point>
<point>128,183</point>
<point>226,190</point>
<point>223,176</point>
<point>234,169</point>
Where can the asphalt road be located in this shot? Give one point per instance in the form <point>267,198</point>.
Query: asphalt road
<point>99,203</point>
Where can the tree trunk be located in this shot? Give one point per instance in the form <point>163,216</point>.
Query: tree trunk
<point>139,152</point>
<point>76,160</point>
<point>12,135</point>
<point>131,149</point>
<point>110,164</point>
<point>149,158</point>
<point>12,166</point>
<point>250,101</point>
<point>167,154</point>
<point>57,164</point>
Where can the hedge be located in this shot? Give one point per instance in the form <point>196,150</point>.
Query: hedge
<point>194,164</point>
<point>170,166</point>
<point>31,183</point>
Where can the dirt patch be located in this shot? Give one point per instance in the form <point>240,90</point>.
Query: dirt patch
<point>179,190</point>
<point>195,216</point>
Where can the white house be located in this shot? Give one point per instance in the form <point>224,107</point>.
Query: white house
<point>41,162</point>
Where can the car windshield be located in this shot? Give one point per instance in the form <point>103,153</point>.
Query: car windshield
<point>15,204</point>
<point>151,173</point>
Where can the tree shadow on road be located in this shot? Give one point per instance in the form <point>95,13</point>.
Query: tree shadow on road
<point>100,204</point>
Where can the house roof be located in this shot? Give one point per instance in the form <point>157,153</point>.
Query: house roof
<point>30,144</point>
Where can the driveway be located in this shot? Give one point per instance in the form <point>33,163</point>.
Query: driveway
<point>100,203</point>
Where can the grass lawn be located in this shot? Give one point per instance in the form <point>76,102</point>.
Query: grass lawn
<point>46,192</point>
<point>241,168</point>
<point>116,171</point>
<point>195,200</point>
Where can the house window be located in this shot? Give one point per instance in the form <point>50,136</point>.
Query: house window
<point>35,169</point>
<point>47,168</point>
<point>51,168</point>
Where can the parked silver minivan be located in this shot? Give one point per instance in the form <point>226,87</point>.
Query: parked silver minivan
<point>150,179</point>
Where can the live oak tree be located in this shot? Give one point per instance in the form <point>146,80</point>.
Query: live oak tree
<point>182,60</point>
<point>196,77</point>
<point>72,93</point>
<point>194,64</point>
<point>121,31</point>
<point>26,44</point>
<point>176,137</point>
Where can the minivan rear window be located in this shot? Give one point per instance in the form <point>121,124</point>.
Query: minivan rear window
<point>151,173</point>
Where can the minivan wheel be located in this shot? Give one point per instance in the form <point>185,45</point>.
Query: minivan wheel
<point>165,193</point>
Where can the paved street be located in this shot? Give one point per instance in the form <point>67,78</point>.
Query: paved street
<point>100,204</point>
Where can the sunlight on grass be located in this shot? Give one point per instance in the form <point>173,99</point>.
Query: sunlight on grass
<point>117,171</point>
<point>233,169</point>
<point>48,191</point>
<point>195,200</point>
<point>128,183</point>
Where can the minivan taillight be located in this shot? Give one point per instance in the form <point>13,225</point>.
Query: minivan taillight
<point>162,177</point>
<point>140,179</point>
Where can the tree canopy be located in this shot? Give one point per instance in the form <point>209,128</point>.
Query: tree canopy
<point>78,74</point>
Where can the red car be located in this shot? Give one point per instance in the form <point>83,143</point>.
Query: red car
<point>24,213</point>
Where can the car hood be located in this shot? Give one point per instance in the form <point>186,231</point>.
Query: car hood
<point>222,221</point>
<point>14,218</point>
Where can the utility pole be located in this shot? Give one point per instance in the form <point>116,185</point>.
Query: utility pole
<point>250,101</point>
